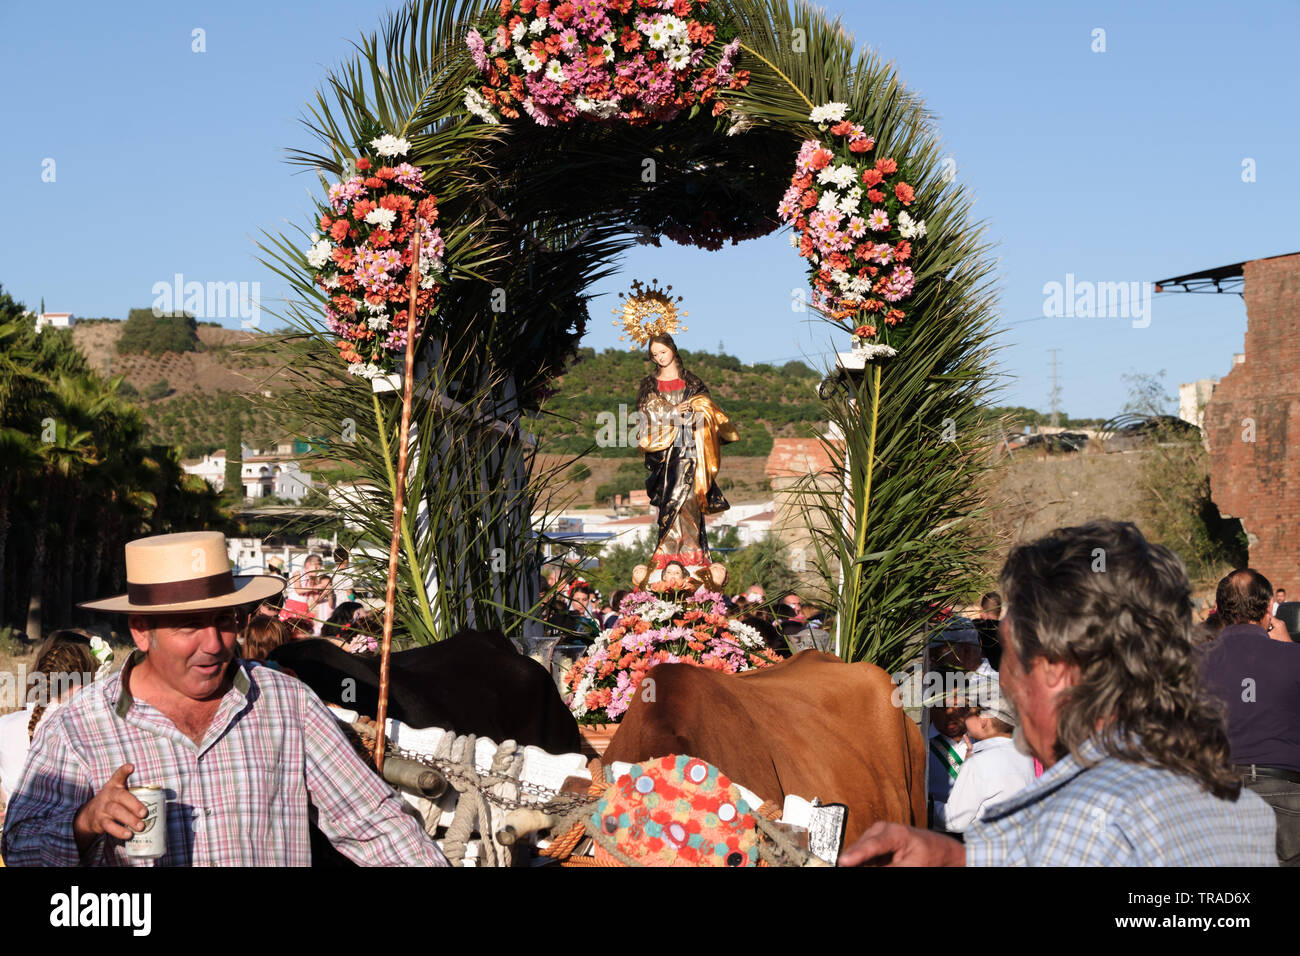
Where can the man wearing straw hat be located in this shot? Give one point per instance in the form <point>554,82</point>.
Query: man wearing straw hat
<point>246,756</point>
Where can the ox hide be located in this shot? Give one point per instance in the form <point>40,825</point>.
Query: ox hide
<point>812,726</point>
<point>474,682</point>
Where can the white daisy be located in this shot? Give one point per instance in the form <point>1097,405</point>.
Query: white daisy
<point>679,58</point>
<point>842,175</point>
<point>477,104</point>
<point>555,71</point>
<point>383,218</point>
<point>518,32</point>
<point>537,27</point>
<point>910,228</point>
<point>379,322</point>
<point>829,201</point>
<point>658,37</point>
<point>319,254</point>
<point>828,112</point>
<point>331,282</point>
<point>528,60</point>
<point>388,145</point>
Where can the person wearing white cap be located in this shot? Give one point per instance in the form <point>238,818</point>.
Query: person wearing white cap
<point>248,758</point>
<point>994,769</point>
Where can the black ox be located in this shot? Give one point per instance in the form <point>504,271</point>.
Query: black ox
<point>475,682</point>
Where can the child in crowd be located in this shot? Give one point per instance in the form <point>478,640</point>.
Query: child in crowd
<point>993,769</point>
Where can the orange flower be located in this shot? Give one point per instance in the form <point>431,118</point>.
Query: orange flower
<point>871,177</point>
<point>808,199</point>
<point>887,166</point>
<point>504,9</point>
<point>905,193</point>
<point>903,251</point>
<point>564,12</point>
<point>894,316</point>
<point>821,158</point>
<point>842,128</point>
<point>875,195</point>
<point>339,230</point>
<point>363,164</point>
<point>860,145</point>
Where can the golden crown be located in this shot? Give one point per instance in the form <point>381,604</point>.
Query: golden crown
<point>649,311</point>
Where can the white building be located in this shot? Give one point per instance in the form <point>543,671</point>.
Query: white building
<point>55,320</point>
<point>1192,399</point>
<point>262,476</point>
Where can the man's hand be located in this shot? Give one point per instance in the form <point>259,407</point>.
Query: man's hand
<point>113,811</point>
<point>892,844</point>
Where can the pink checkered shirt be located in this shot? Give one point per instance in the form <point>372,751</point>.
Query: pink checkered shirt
<point>239,798</point>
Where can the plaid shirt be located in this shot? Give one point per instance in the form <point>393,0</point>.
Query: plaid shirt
<point>241,797</point>
<point>1117,813</point>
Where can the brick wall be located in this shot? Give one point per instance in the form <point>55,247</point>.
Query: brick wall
<point>1256,481</point>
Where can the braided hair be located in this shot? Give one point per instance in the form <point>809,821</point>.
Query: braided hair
<point>66,652</point>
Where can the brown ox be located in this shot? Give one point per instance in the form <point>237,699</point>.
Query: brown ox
<point>812,726</point>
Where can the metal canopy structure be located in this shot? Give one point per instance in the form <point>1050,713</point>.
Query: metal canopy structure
<point>1219,279</point>
<point>1229,278</point>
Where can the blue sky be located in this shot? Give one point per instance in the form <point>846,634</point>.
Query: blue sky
<point>1115,166</point>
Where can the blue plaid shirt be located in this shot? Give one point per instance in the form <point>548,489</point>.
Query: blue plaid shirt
<point>1117,813</point>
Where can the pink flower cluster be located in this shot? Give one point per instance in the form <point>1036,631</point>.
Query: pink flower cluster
<point>363,261</point>
<point>651,630</point>
<point>638,61</point>
<point>852,221</point>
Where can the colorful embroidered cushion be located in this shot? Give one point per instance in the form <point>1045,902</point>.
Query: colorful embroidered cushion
<point>675,811</point>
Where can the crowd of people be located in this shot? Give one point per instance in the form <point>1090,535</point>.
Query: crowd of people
<point>1097,723</point>
<point>572,609</point>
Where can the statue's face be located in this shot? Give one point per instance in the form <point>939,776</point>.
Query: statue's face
<point>672,575</point>
<point>661,355</point>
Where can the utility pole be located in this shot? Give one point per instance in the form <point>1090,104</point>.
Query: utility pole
<point>1056,392</point>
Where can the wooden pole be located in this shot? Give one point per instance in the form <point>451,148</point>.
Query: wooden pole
<point>399,500</point>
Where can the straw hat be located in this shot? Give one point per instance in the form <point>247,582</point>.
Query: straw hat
<point>190,571</point>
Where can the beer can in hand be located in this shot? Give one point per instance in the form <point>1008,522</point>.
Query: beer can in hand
<point>150,843</point>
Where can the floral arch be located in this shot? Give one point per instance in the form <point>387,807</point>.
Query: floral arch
<point>528,143</point>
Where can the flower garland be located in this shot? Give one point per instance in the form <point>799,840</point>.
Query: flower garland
<point>691,629</point>
<point>363,260</point>
<point>858,253</point>
<point>599,59</point>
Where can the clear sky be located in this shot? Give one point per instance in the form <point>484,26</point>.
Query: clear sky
<point>1117,166</point>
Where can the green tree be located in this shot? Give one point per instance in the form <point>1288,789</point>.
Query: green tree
<point>145,332</point>
<point>159,389</point>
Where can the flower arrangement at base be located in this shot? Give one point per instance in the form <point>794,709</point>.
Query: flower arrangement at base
<point>690,629</point>
<point>852,223</point>
<point>363,255</point>
<point>624,60</point>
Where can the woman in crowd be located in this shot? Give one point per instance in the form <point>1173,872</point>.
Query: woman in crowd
<point>65,663</point>
<point>262,635</point>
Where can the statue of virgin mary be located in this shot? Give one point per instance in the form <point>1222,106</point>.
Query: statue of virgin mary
<point>681,433</point>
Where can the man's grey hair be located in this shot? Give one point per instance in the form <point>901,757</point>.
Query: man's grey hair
<point>1104,599</point>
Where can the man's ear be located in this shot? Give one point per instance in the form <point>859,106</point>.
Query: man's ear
<point>140,631</point>
<point>1056,675</point>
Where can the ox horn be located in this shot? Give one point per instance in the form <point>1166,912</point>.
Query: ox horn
<point>521,823</point>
